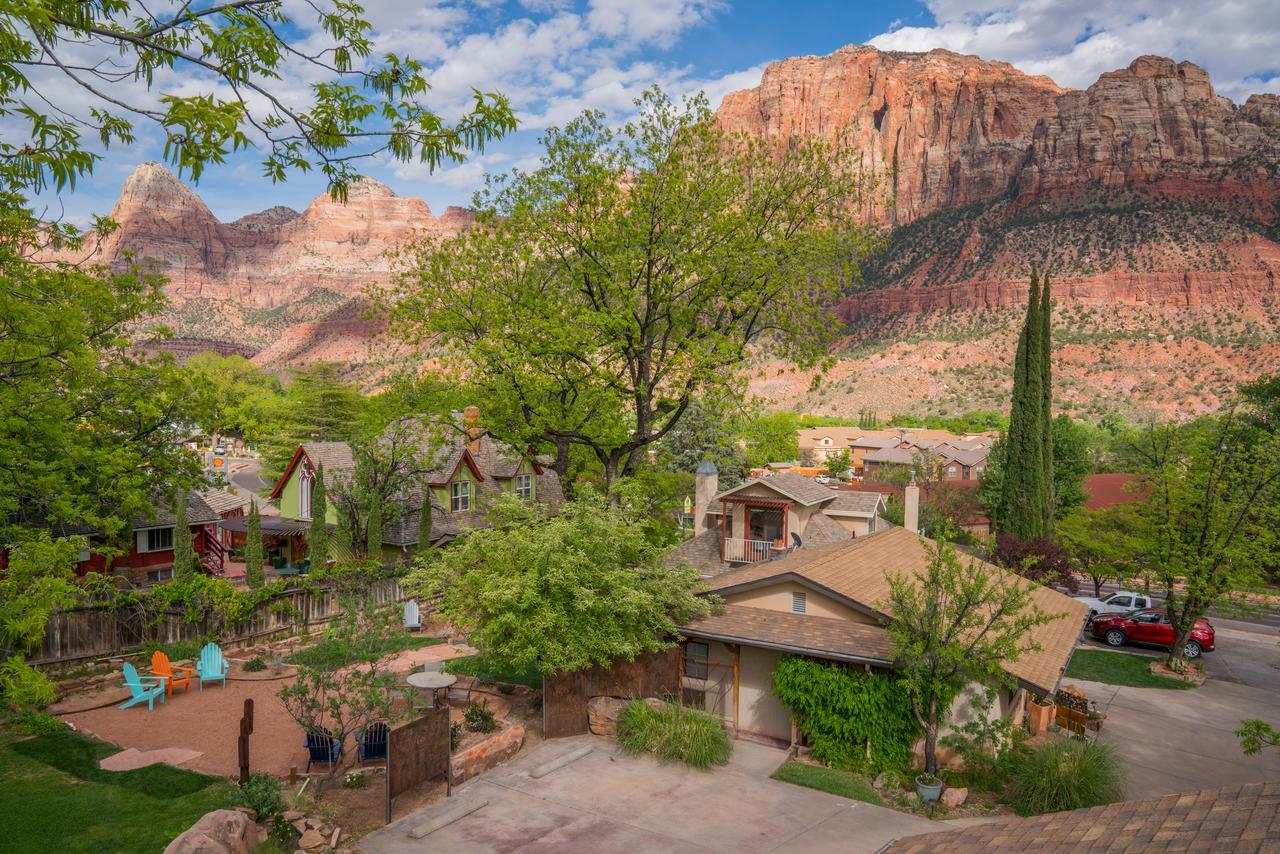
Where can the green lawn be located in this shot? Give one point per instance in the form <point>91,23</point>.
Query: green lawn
<point>475,665</point>
<point>332,654</point>
<point>58,799</point>
<point>842,783</point>
<point>1119,668</point>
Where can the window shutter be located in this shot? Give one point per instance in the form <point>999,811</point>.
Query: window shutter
<point>142,541</point>
<point>797,602</point>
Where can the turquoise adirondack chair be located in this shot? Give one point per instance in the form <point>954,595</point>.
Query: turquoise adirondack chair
<point>142,689</point>
<point>212,667</point>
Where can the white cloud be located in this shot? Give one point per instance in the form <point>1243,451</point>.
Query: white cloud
<point>1236,41</point>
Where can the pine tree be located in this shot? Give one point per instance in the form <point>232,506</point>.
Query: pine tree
<point>184,564</point>
<point>318,536</point>
<point>1046,409</point>
<point>373,543</point>
<point>253,548</point>
<point>424,520</point>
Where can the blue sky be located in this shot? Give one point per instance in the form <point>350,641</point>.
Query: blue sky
<point>557,57</point>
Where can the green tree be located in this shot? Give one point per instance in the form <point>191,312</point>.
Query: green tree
<point>358,107</point>
<point>184,555</point>
<point>1100,543</point>
<point>253,573</point>
<point>36,581</point>
<point>1255,735</point>
<point>632,272</point>
<point>319,406</point>
<point>840,464</point>
<point>705,432</point>
<point>233,395</point>
<point>373,528</point>
<point>770,437</point>
<point>560,593</point>
<point>954,622</point>
<point>1025,505</point>
<point>1073,460</point>
<point>1213,515</point>
<point>318,535</point>
<point>424,519</point>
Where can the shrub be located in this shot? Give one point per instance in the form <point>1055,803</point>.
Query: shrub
<point>988,744</point>
<point>673,733</point>
<point>262,795</point>
<point>354,780</point>
<point>480,718</point>
<point>177,651</point>
<point>282,834</point>
<point>455,735</point>
<point>33,722</point>
<point>1066,775</point>
<point>255,665</point>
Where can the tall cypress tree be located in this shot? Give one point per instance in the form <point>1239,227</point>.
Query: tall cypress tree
<point>424,519</point>
<point>373,542</point>
<point>318,536</point>
<point>184,564</point>
<point>1024,487</point>
<point>1046,408</point>
<point>253,575</point>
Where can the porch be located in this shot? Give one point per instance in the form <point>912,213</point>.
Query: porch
<point>284,545</point>
<point>754,528</point>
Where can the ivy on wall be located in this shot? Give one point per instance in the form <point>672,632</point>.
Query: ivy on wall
<point>851,719</point>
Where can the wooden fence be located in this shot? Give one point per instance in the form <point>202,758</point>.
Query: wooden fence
<point>97,631</point>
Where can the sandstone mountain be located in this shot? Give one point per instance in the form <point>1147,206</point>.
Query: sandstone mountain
<point>1154,201</point>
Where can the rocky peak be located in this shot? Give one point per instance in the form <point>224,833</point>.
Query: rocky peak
<point>153,187</point>
<point>273,217</point>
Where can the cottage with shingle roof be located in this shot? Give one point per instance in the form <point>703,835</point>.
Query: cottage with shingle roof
<point>769,517</point>
<point>830,602</point>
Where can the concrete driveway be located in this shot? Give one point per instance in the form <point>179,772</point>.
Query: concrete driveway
<point>1180,741</point>
<point>608,802</point>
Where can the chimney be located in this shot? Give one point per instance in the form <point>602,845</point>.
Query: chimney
<point>911,510</point>
<point>471,423</point>
<point>705,484</point>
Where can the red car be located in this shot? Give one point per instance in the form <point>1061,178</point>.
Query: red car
<point>1149,626</point>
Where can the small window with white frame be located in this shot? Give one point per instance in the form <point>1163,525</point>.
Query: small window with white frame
<point>696,659</point>
<point>304,495</point>
<point>524,487</point>
<point>460,496</point>
<point>798,603</point>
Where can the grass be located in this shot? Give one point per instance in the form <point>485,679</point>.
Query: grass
<point>1119,668</point>
<point>842,783</point>
<point>332,654</point>
<point>477,666</point>
<point>673,733</point>
<point>62,801</point>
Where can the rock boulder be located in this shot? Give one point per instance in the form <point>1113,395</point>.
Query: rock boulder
<point>218,832</point>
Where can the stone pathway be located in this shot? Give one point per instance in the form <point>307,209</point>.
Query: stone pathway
<point>131,758</point>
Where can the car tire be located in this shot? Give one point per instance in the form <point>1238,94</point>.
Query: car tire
<point>1114,637</point>
<point>1192,650</point>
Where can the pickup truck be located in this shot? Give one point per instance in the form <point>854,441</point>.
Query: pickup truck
<point>1121,600</point>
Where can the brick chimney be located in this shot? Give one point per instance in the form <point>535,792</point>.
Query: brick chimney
<point>471,423</point>
<point>911,506</point>
<point>705,485</point>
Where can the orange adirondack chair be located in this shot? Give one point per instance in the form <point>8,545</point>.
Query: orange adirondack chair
<point>177,675</point>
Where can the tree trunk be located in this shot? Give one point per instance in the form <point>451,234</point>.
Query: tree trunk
<point>561,466</point>
<point>1180,638</point>
<point>931,738</point>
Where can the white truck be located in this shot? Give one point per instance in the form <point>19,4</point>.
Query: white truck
<point>1121,600</point>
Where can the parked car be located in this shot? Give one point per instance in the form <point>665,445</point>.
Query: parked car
<point>1150,627</point>
<point>1120,601</point>
<point>822,478</point>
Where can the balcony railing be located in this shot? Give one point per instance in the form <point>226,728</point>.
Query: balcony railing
<point>749,551</point>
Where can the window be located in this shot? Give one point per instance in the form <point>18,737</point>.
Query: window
<point>797,602</point>
<point>158,540</point>
<point>82,555</point>
<point>951,471</point>
<point>460,496</point>
<point>978,470</point>
<point>967,472</point>
<point>304,496</point>
<point>1120,601</point>
<point>524,487</point>
<point>696,656</point>
<point>156,576</point>
<point>826,440</point>
<point>871,524</point>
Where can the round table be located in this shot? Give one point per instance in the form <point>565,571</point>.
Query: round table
<point>429,682</point>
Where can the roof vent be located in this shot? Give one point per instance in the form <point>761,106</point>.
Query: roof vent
<point>797,602</point>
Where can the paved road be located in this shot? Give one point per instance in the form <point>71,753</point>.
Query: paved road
<point>245,480</point>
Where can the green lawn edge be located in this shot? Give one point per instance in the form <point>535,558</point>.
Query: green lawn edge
<point>1119,668</point>
<point>842,783</point>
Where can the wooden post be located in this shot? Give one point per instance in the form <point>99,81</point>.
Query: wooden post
<point>736,648</point>
<point>246,729</point>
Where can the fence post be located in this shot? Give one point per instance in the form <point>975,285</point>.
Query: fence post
<point>246,730</point>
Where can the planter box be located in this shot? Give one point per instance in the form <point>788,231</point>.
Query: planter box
<point>1039,716</point>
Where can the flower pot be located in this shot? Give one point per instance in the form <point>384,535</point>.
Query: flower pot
<point>928,788</point>
<point>1039,716</point>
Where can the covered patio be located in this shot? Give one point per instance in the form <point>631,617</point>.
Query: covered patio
<point>284,542</point>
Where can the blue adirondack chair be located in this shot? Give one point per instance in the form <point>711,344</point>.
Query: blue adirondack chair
<point>212,667</point>
<point>412,618</point>
<point>322,746</point>
<point>372,742</point>
<point>142,689</point>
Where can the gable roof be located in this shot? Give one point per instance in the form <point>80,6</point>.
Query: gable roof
<point>1235,818</point>
<point>198,513</point>
<point>336,457</point>
<point>804,634</point>
<point>857,572</point>
<point>797,487</point>
<point>849,503</point>
<point>223,501</point>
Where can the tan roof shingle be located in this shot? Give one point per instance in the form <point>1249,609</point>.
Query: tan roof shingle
<point>801,633</point>
<point>859,569</point>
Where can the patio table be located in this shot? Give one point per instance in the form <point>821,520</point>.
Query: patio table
<point>429,682</point>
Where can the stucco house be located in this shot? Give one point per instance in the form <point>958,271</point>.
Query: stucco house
<point>828,602</point>
<point>767,518</point>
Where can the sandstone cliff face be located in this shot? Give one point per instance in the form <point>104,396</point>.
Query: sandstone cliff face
<point>273,258</point>
<point>952,130</point>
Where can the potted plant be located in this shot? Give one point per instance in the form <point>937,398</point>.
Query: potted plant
<point>928,788</point>
<point>1040,714</point>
